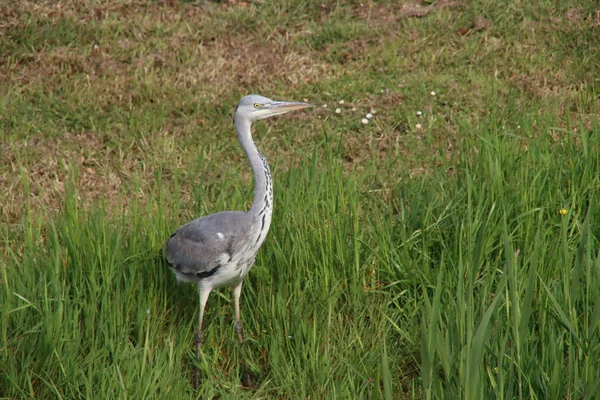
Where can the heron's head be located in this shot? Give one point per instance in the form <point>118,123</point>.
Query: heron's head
<point>254,107</point>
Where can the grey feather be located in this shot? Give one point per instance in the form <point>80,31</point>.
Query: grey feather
<point>205,243</point>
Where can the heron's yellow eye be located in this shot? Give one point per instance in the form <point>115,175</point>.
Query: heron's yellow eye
<point>256,105</point>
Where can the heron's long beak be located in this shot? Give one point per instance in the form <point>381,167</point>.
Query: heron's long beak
<point>281,107</point>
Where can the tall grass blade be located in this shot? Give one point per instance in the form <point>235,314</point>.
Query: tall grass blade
<point>386,375</point>
<point>562,317</point>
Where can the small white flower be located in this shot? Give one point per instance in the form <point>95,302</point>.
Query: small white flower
<point>338,110</point>
<point>364,121</point>
<point>354,108</point>
<point>324,105</point>
<point>369,115</point>
<point>382,90</point>
<point>341,101</point>
<point>432,93</point>
<point>148,311</point>
<point>418,126</point>
<point>419,113</point>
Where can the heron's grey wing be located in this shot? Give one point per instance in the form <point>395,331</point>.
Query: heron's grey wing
<point>201,246</point>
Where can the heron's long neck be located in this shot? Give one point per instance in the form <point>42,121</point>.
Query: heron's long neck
<point>262,206</point>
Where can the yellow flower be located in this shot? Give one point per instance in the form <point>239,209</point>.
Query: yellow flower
<point>562,211</point>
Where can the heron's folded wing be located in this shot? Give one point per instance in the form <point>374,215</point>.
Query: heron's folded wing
<point>204,244</point>
<point>191,257</point>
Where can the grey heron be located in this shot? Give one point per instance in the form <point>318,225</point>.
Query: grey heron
<point>218,250</point>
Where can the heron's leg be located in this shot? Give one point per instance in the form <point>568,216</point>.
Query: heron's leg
<point>203,294</point>
<point>237,291</point>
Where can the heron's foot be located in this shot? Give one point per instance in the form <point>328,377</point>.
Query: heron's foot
<point>196,379</point>
<point>247,379</point>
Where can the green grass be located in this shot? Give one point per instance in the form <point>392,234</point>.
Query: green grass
<point>455,260</point>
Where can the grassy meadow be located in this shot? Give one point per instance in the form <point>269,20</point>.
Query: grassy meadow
<point>448,249</point>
